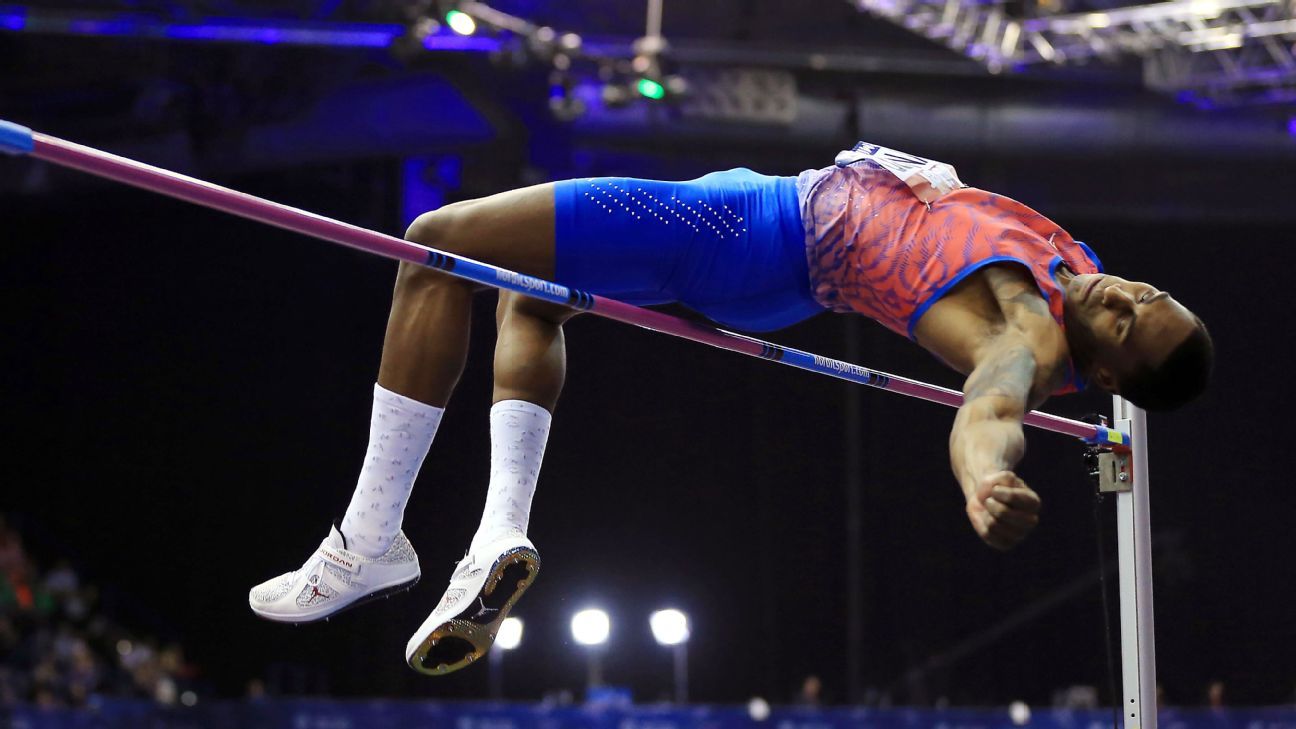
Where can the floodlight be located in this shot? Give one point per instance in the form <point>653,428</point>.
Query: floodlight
<point>669,626</point>
<point>510,634</point>
<point>591,627</point>
<point>461,22</point>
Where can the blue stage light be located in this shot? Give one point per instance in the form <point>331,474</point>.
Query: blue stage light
<point>355,36</point>
<point>12,18</point>
<point>116,27</point>
<point>467,43</point>
<point>234,30</point>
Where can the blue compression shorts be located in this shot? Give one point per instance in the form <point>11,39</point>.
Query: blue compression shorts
<point>729,245</point>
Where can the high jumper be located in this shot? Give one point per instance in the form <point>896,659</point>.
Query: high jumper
<point>990,287</point>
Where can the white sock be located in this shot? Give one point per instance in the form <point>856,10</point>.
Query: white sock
<point>400,434</point>
<point>519,432</point>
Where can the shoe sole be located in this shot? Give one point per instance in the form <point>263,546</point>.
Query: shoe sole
<point>299,619</point>
<point>463,639</point>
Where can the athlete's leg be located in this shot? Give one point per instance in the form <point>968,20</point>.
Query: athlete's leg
<point>427,343</point>
<point>427,331</point>
<point>423,356</point>
<point>530,356</point>
<point>530,364</point>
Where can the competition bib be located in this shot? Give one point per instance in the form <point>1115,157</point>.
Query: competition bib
<point>927,178</point>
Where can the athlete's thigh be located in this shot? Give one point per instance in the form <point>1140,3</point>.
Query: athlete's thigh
<point>512,230</point>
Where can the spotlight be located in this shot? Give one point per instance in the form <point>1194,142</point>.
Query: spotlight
<point>651,89</point>
<point>510,634</point>
<point>591,627</point>
<point>461,22</point>
<point>669,627</point>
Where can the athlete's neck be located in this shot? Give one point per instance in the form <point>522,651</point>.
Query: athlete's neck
<point>1064,275</point>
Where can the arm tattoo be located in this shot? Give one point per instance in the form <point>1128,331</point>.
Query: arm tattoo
<point>1009,375</point>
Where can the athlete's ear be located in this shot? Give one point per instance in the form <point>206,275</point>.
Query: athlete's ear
<point>1103,377</point>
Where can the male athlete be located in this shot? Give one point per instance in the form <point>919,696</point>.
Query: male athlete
<point>984,283</point>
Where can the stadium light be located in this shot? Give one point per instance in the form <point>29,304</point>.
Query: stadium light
<point>670,627</point>
<point>508,638</point>
<point>461,22</point>
<point>591,627</point>
<point>510,634</point>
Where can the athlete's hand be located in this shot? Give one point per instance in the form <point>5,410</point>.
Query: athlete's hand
<point>1003,510</point>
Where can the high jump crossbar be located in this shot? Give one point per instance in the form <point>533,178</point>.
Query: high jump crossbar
<point>1128,435</point>
<point>21,140</point>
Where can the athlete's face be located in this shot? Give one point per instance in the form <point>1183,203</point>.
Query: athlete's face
<point>1117,327</point>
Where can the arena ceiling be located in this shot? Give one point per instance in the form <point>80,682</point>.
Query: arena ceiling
<point>209,75</point>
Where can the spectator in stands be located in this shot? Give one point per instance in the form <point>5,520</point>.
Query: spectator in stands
<point>811,694</point>
<point>11,548</point>
<point>1215,694</point>
<point>57,650</point>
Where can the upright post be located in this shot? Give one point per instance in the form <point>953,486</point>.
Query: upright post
<point>854,480</point>
<point>1134,535</point>
<point>593,669</point>
<point>496,675</point>
<point>681,673</point>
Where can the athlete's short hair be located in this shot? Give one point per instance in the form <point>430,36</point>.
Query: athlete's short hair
<point>1182,377</point>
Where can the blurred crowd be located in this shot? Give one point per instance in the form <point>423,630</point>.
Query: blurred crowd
<point>58,647</point>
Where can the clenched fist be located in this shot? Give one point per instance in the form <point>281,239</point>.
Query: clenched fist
<point>1003,510</point>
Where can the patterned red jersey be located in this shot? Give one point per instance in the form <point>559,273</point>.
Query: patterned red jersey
<point>875,249</point>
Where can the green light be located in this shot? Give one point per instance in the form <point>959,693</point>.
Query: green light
<point>461,22</point>
<point>651,89</point>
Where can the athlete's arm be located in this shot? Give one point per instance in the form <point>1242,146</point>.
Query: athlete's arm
<point>1015,369</point>
<point>987,442</point>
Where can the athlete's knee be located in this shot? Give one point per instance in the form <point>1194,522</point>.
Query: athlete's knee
<point>439,228</point>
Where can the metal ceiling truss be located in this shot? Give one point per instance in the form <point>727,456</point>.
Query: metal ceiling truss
<point>1210,52</point>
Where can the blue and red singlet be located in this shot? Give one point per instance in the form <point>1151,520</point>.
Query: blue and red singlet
<point>758,252</point>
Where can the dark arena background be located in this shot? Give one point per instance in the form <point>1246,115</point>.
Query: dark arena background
<point>186,394</point>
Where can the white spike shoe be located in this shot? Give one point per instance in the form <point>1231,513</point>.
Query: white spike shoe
<point>485,586</point>
<point>334,579</point>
